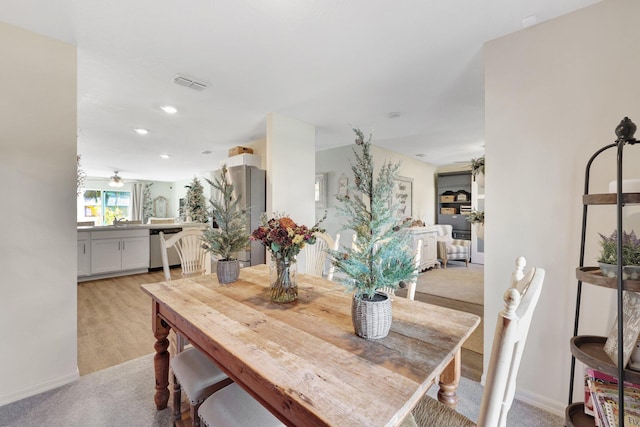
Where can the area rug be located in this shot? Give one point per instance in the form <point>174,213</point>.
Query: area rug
<point>123,396</point>
<point>456,282</point>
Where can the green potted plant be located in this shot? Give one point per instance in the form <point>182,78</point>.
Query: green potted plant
<point>477,219</point>
<point>381,255</point>
<point>477,170</point>
<point>231,235</point>
<point>608,260</point>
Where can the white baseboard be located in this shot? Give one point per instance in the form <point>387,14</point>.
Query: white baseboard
<point>542,402</point>
<point>552,406</point>
<point>7,398</point>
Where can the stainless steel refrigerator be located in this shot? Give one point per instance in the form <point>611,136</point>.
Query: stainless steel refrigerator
<point>250,186</point>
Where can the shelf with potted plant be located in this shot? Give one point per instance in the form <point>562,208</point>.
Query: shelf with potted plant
<point>609,355</point>
<point>606,273</point>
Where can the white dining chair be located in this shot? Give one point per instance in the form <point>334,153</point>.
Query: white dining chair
<point>510,337</point>
<point>316,255</point>
<point>411,285</point>
<point>234,407</point>
<point>194,258</point>
<point>196,375</point>
<point>193,372</point>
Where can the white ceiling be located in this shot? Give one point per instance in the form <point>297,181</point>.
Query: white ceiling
<point>331,63</point>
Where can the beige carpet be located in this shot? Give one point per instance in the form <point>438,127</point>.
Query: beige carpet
<point>456,282</point>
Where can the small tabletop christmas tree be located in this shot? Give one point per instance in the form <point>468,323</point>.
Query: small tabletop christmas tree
<point>231,236</point>
<point>381,256</point>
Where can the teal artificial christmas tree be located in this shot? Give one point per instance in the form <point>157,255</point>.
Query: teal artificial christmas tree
<point>381,256</point>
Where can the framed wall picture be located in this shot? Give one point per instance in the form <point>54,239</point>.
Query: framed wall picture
<point>321,190</point>
<point>402,196</point>
<point>160,207</point>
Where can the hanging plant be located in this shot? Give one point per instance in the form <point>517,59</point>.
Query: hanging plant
<point>477,167</point>
<point>81,176</point>
<point>476,217</point>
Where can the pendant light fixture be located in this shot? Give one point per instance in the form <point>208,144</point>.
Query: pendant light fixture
<point>115,180</point>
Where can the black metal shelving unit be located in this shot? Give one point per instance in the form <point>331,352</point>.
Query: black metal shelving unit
<point>589,349</point>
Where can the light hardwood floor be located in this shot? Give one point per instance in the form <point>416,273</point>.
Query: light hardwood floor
<point>114,322</point>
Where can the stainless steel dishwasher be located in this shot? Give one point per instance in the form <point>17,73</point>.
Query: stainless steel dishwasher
<point>155,251</point>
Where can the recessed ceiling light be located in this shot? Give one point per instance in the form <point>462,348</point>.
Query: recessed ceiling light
<point>393,115</point>
<point>169,109</point>
<point>165,156</point>
<point>206,152</point>
<point>141,131</point>
<point>420,155</point>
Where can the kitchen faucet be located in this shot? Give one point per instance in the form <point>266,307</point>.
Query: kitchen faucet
<point>116,221</point>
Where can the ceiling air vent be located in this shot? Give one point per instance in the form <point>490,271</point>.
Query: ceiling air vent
<point>186,82</point>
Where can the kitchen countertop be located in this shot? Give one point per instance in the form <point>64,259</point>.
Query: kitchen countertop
<point>139,226</point>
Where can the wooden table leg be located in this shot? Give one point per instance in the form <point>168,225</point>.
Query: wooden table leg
<point>449,380</point>
<point>161,359</point>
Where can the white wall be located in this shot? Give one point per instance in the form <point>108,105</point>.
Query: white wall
<point>290,152</point>
<point>554,94</point>
<point>335,163</point>
<point>290,174</point>
<point>38,303</point>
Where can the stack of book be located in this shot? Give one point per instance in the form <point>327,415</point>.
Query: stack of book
<point>601,399</point>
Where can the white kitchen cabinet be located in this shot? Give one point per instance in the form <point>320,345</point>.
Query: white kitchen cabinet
<point>84,254</point>
<point>135,252</point>
<point>429,253</point>
<point>119,250</point>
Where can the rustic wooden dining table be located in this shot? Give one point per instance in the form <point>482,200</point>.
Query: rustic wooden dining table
<point>302,360</point>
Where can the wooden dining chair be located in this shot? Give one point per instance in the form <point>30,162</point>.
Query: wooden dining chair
<point>316,255</point>
<point>193,372</point>
<point>508,344</point>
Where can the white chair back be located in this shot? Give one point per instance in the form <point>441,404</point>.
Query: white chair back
<point>316,254</point>
<point>194,259</point>
<point>411,286</point>
<point>508,343</point>
<point>445,232</point>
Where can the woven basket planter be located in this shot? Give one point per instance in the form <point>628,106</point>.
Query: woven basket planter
<point>228,271</point>
<point>371,317</point>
